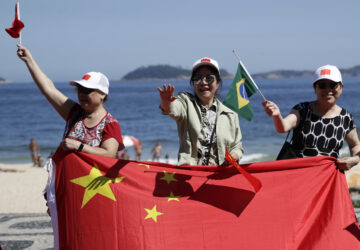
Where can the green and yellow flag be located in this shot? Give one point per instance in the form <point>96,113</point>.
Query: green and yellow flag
<point>241,89</point>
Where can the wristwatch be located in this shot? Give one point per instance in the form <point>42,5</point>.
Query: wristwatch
<point>80,147</point>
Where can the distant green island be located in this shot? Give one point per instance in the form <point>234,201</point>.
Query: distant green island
<point>168,72</point>
<point>163,72</point>
<point>354,71</point>
<point>3,80</point>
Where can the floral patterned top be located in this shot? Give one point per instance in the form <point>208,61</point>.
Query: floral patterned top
<point>107,128</point>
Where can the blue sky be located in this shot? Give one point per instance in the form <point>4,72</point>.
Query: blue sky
<point>70,38</point>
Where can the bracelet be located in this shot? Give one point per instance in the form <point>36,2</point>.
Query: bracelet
<point>80,147</point>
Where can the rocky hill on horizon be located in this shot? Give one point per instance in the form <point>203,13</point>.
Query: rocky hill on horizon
<point>168,72</point>
<point>3,80</point>
<point>162,72</point>
<point>353,71</point>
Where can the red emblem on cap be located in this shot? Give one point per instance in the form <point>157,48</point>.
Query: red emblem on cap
<point>86,77</point>
<point>205,60</point>
<point>325,72</point>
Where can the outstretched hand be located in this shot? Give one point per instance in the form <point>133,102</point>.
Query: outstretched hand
<point>167,96</point>
<point>23,53</point>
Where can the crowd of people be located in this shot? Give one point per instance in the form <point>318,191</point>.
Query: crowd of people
<point>206,127</point>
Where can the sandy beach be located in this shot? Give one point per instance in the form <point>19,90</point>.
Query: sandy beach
<point>21,187</point>
<point>24,223</point>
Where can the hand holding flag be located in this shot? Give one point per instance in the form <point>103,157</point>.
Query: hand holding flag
<point>255,182</point>
<point>24,54</point>
<point>17,25</point>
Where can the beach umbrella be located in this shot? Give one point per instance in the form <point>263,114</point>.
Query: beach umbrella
<point>130,141</point>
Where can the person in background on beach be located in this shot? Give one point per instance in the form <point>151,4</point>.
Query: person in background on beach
<point>41,160</point>
<point>35,152</point>
<point>123,155</point>
<point>320,127</point>
<point>51,154</point>
<point>156,150</point>
<point>205,126</point>
<point>89,128</point>
<point>138,151</point>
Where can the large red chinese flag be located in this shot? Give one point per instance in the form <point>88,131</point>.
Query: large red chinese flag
<point>17,25</point>
<point>104,203</point>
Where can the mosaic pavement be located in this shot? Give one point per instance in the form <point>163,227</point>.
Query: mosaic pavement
<point>25,231</point>
<point>33,231</point>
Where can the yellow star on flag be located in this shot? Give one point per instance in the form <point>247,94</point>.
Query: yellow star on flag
<point>146,165</point>
<point>96,183</point>
<point>172,197</point>
<point>168,177</point>
<point>152,213</point>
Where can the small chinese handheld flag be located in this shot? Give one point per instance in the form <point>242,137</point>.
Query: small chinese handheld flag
<point>17,25</point>
<point>241,89</point>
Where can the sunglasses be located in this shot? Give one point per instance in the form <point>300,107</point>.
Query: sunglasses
<point>324,85</point>
<point>209,79</point>
<point>84,90</point>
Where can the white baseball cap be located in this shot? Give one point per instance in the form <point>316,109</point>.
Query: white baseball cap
<point>330,72</point>
<point>206,61</point>
<point>94,80</point>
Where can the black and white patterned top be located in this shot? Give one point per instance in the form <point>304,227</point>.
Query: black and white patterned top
<point>320,136</point>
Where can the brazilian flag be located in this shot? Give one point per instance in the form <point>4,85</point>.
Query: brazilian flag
<point>241,89</point>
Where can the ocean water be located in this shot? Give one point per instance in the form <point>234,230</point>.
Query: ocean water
<point>26,114</point>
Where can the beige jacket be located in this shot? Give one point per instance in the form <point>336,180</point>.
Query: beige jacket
<point>187,114</point>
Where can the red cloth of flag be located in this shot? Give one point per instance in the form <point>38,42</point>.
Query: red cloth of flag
<point>17,25</point>
<point>105,203</point>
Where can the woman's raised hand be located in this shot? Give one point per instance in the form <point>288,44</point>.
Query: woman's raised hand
<point>23,53</point>
<point>167,96</point>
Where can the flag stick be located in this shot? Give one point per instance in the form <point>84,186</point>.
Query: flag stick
<point>18,12</point>
<point>242,65</point>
